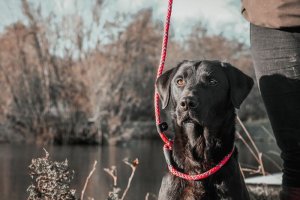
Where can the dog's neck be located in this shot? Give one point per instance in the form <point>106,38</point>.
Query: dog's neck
<point>196,150</point>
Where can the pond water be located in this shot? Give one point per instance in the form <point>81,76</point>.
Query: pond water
<point>14,161</point>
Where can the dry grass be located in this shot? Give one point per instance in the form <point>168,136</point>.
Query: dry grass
<point>51,180</point>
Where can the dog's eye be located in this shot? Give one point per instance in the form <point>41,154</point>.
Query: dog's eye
<point>212,81</point>
<point>180,82</point>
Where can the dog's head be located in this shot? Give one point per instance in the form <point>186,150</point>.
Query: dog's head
<point>202,91</point>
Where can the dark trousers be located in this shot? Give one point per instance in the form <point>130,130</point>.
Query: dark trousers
<point>276,56</point>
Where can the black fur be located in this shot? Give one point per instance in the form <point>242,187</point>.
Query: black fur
<point>203,112</point>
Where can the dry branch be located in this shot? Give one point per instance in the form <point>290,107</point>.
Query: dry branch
<point>113,173</point>
<point>133,166</point>
<point>87,180</point>
<point>257,154</point>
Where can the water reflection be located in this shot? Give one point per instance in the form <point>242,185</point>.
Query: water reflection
<point>15,159</point>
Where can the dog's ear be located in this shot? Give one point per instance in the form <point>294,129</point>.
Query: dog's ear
<point>163,86</point>
<point>240,84</point>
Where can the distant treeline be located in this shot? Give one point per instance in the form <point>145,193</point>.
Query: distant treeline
<point>95,93</point>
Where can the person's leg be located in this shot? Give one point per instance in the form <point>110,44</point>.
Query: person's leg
<point>276,57</point>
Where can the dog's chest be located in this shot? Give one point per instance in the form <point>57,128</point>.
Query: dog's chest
<point>197,191</point>
<point>193,191</point>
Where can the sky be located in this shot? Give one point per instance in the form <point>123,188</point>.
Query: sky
<point>220,16</point>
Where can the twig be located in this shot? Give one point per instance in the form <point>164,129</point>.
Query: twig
<point>87,179</point>
<point>248,134</point>
<point>113,173</point>
<point>133,166</point>
<point>247,145</point>
<point>147,196</point>
<point>248,166</point>
<point>252,171</point>
<point>46,152</point>
<point>241,169</point>
<point>268,132</point>
<point>254,146</point>
<point>150,195</point>
<point>274,153</point>
<point>261,165</point>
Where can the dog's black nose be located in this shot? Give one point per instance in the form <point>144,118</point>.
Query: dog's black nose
<point>188,103</point>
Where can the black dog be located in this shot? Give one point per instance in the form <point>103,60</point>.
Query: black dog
<point>203,97</point>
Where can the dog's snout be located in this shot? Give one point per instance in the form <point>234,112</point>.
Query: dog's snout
<point>187,103</point>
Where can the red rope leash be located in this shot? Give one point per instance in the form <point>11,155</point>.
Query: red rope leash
<point>163,126</point>
<point>202,175</point>
<point>163,56</point>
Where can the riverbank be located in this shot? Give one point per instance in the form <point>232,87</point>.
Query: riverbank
<point>260,130</point>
